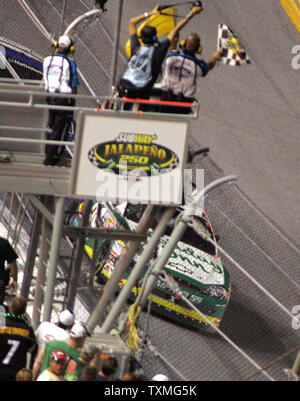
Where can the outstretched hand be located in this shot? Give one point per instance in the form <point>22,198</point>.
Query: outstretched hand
<point>217,55</point>
<point>197,4</point>
<point>196,10</point>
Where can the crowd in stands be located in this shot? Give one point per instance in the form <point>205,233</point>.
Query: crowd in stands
<point>55,351</point>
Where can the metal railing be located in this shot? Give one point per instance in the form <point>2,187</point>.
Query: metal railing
<point>32,96</point>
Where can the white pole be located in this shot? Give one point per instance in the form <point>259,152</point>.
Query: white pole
<point>176,235</point>
<point>53,259</point>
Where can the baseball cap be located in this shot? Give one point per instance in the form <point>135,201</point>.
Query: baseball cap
<point>64,41</point>
<point>66,318</point>
<point>78,331</point>
<point>59,356</point>
<point>160,378</point>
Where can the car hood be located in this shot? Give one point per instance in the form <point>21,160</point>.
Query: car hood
<point>194,263</point>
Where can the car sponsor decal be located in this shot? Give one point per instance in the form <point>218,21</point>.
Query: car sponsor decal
<point>133,151</point>
<point>180,268</point>
<point>194,263</point>
<point>179,309</point>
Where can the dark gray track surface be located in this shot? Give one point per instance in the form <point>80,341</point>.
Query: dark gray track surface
<point>249,120</point>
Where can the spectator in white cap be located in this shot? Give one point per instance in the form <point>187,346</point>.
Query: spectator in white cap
<point>78,334</point>
<point>60,76</point>
<point>48,331</point>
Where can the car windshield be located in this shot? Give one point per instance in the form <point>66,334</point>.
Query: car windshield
<point>190,237</point>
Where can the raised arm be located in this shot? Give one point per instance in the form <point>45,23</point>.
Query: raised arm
<point>215,57</point>
<point>135,20</point>
<point>14,274</point>
<point>184,21</point>
<point>38,363</point>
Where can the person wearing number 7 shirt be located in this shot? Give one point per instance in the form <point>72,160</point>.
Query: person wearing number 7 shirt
<point>17,338</point>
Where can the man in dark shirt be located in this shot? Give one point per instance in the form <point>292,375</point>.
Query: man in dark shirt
<point>7,255</point>
<point>16,340</point>
<point>146,61</point>
<point>179,80</point>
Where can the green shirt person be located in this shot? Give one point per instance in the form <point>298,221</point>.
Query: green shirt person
<point>71,347</point>
<point>72,353</point>
<point>88,356</point>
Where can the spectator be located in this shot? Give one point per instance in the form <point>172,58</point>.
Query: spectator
<point>24,375</point>
<point>17,338</point>
<point>179,79</point>
<point>54,372</point>
<point>60,76</point>
<point>108,368</point>
<point>75,368</point>
<point>48,331</point>
<point>146,60</point>
<point>71,347</point>
<point>133,377</point>
<point>89,374</point>
<point>7,255</point>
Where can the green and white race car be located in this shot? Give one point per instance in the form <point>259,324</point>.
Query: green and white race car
<point>196,267</point>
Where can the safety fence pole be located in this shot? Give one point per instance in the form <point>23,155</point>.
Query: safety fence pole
<point>31,254</point>
<point>176,235</point>
<point>122,266</point>
<point>136,272</point>
<point>53,260</point>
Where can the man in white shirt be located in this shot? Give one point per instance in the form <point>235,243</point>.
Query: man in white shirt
<point>48,331</point>
<point>60,76</point>
<point>56,368</point>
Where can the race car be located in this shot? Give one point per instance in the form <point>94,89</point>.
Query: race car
<point>194,264</point>
<point>105,216</point>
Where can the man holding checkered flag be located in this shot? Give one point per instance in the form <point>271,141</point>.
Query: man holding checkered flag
<point>231,50</point>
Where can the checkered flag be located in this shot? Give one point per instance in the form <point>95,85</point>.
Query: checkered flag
<point>231,49</point>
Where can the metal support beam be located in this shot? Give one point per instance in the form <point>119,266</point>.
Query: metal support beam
<point>125,235</point>
<point>137,270</point>
<point>31,254</point>
<point>122,266</point>
<point>41,274</point>
<point>42,208</point>
<point>77,261</point>
<point>176,235</point>
<point>55,241</point>
<point>114,62</point>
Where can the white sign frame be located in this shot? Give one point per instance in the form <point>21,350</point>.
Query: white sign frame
<point>89,181</point>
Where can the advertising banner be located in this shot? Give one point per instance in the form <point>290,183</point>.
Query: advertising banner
<point>130,157</point>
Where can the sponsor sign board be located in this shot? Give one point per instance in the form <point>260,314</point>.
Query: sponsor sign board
<point>130,157</point>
